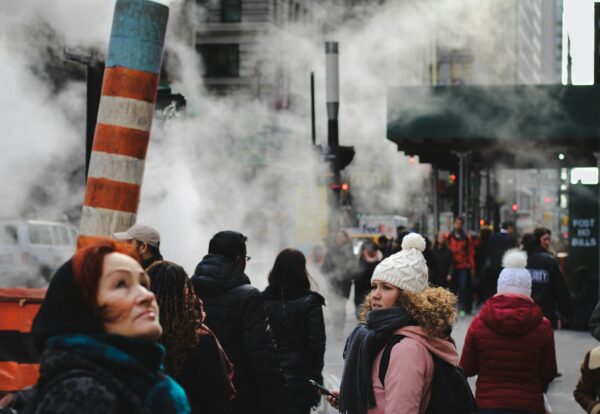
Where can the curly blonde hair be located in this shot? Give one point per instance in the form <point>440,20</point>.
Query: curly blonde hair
<point>434,309</point>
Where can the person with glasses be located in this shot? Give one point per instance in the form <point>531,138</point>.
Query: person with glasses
<point>236,314</point>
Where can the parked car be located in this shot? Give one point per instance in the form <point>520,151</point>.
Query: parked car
<point>31,250</point>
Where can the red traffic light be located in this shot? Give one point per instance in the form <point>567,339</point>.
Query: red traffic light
<point>514,207</point>
<point>345,186</point>
<point>452,178</point>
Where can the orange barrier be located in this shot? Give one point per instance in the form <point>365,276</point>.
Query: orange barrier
<point>19,366</point>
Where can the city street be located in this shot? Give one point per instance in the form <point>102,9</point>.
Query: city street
<point>571,347</point>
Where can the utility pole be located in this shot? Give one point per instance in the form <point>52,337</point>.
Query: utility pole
<point>332,95</point>
<point>312,109</point>
<point>462,158</point>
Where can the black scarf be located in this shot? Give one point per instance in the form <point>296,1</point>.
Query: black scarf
<point>362,346</point>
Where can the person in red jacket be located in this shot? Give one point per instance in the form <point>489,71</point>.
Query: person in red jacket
<point>510,346</point>
<point>463,254</point>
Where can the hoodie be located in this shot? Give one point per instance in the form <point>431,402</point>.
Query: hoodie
<point>510,347</point>
<point>410,372</point>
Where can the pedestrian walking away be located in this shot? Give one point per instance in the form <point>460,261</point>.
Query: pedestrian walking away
<point>235,313</point>
<point>463,254</point>
<point>194,357</point>
<point>296,316</point>
<point>97,330</point>
<point>401,305</point>
<point>510,346</point>
<point>498,244</point>
<point>444,261</point>
<point>339,268</point>
<point>370,257</point>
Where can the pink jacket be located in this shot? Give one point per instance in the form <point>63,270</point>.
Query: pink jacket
<point>410,371</point>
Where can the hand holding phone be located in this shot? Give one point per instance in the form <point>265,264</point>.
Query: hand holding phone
<point>322,389</point>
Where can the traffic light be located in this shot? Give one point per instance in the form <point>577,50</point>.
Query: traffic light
<point>344,155</point>
<point>514,207</point>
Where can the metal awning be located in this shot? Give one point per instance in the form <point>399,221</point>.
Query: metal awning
<point>521,126</point>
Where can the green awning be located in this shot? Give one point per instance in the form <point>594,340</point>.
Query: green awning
<point>497,123</point>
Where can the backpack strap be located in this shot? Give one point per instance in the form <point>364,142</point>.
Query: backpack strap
<point>385,357</point>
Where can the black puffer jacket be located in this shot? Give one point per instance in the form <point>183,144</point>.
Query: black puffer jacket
<point>299,331</point>
<point>548,287</point>
<point>236,314</point>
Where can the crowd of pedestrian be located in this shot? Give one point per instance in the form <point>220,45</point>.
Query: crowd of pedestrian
<point>122,330</point>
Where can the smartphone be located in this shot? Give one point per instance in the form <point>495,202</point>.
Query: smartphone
<point>322,388</point>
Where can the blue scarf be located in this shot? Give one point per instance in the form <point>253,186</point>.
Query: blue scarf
<point>362,346</point>
<point>136,363</point>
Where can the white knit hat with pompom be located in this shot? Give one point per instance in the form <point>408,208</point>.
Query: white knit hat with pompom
<point>406,269</point>
<point>514,278</point>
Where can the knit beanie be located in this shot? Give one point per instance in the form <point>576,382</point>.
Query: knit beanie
<point>406,269</point>
<point>515,278</point>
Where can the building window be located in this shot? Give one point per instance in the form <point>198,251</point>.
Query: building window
<point>220,61</point>
<point>231,11</point>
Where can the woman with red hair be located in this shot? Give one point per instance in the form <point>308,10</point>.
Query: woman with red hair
<point>97,333</point>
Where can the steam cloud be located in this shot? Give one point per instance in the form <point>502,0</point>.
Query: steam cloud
<point>232,162</point>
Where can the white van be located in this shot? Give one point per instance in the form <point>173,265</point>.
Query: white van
<point>32,250</point>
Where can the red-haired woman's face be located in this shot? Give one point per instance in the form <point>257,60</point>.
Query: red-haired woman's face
<point>128,307</point>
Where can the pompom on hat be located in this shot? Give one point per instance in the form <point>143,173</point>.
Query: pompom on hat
<point>515,278</point>
<point>406,269</point>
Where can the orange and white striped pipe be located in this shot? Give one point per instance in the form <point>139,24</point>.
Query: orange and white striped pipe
<point>125,113</point>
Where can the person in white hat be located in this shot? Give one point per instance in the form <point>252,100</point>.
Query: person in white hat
<point>510,345</point>
<point>401,305</point>
<point>146,240</point>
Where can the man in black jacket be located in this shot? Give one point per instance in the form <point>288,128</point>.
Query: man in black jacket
<point>498,244</point>
<point>236,315</point>
<point>548,288</point>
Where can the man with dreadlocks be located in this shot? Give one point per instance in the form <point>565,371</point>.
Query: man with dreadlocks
<point>194,356</point>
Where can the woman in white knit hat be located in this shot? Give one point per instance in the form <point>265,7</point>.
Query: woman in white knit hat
<point>510,345</point>
<point>400,303</point>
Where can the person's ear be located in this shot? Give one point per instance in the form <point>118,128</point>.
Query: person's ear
<point>143,248</point>
<point>240,263</point>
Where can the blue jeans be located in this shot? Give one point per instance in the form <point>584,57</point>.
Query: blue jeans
<point>465,289</point>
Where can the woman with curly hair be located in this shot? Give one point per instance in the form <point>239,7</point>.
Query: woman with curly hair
<point>194,356</point>
<point>400,303</point>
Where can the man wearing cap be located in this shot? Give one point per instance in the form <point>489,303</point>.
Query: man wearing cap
<point>146,239</point>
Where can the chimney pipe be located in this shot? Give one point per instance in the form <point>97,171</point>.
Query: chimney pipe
<point>124,119</point>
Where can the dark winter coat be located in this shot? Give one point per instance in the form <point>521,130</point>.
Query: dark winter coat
<point>498,244</point>
<point>362,279</point>
<point>91,390</point>
<point>548,288</point>
<point>510,347</point>
<point>444,265</point>
<point>587,390</point>
<point>463,250</point>
<point>204,378</point>
<point>236,314</point>
<point>299,330</point>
